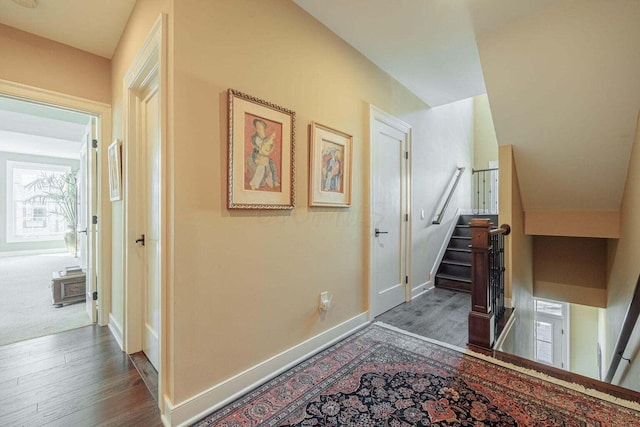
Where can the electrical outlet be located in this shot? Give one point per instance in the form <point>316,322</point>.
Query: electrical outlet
<point>325,301</point>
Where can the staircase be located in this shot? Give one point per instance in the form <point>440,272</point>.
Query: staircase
<point>454,272</point>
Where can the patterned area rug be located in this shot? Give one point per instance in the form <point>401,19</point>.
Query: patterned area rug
<point>383,377</point>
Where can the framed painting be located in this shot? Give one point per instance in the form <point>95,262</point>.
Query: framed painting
<point>114,159</point>
<point>329,167</point>
<point>261,164</point>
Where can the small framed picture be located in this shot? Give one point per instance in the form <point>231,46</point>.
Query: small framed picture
<point>330,167</point>
<point>261,168</point>
<point>114,157</point>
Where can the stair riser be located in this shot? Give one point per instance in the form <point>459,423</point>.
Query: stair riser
<point>458,256</point>
<point>450,284</point>
<point>460,231</point>
<point>459,243</point>
<point>455,270</point>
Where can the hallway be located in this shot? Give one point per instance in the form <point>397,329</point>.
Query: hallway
<point>74,378</point>
<point>439,314</point>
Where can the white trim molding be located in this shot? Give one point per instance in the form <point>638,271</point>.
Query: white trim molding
<point>34,252</point>
<point>422,289</point>
<point>147,72</point>
<point>208,401</point>
<point>116,330</point>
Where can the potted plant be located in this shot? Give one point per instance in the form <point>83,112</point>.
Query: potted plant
<point>61,189</point>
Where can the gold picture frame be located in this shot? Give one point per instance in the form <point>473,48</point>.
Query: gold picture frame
<point>330,162</point>
<point>261,154</point>
<point>114,160</point>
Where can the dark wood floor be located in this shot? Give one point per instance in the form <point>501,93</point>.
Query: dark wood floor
<point>74,378</point>
<point>439,314</point>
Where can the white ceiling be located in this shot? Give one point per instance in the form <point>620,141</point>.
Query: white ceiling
<point>427,45</point>
<point>36,129</point>
<point>91,25</point>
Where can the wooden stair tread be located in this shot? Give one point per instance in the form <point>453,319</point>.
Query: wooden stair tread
<point>460,263</point>
<point>453,278</point>
<point>459,250</point>
<point>461,237</point>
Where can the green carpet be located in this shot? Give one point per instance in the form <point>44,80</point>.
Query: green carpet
<point>25,298</point>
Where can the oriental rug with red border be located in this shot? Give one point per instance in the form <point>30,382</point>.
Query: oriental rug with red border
<point>383,377</point>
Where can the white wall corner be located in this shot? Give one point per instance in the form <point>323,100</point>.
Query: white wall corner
<point>200,405</point>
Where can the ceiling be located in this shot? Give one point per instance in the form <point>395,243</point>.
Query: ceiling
<point>427,45</point>
<point>30,128</point>
<point>91,25</point>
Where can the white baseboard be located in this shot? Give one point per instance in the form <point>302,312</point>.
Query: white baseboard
<point>208,401</point>
<point>116,331</point>
<point>508,303</point>
<point>444,246</point>
<point>421,289</point>
<point>34,252</point>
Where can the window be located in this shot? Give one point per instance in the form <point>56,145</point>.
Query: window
<point>29,217</point>
<point>34,216</point>
<point>551,332</point>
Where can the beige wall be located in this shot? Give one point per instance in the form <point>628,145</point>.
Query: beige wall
<point>604,224</point>
<point>566,98</point>
<point>485,143</point>
<point>626,268</point>
<point>583,340</point>
<point>570,269</point>
<point>247,282</point>
<point>35,61</point>
<point>518,256</point>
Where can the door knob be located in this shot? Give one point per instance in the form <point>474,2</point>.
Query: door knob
<point>140,240</point>
<point>83,231</point>
<point>378,232</point>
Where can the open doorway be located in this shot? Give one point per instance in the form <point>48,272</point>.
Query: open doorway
<point>47,199</point>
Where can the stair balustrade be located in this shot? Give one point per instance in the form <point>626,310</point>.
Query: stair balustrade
<point>485,190</point>
<point>487,281</point>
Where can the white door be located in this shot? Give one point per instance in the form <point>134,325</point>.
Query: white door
<point>389,281</point>
<point>550,326</point>
<point>87,206</point>
<point>152,180</point>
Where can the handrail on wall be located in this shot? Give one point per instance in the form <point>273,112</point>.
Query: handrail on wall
<point>630,321</point>
<point>455,180</point>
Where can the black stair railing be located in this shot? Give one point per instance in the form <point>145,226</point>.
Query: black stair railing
<point>485,190</point>
<point>487,281</point>
<point>448,195</point>
<point>630,320</point>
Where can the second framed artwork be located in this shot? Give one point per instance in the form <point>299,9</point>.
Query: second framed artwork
<point>330,167</point>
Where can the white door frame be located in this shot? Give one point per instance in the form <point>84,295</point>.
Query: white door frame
<point>103,233</point>
<point>147,70</point>
<point>376,114</point>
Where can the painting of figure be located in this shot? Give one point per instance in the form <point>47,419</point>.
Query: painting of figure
<point>332,176</point>
<point>263,154</point>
